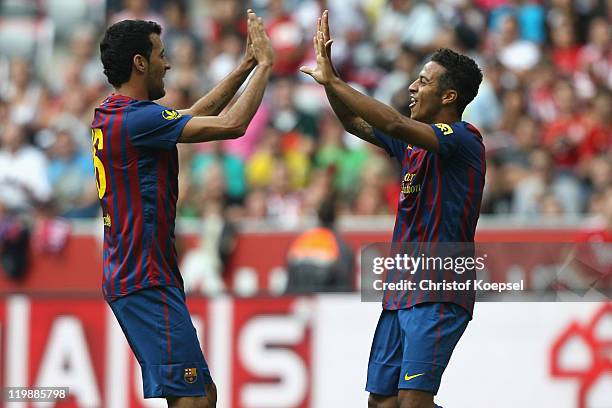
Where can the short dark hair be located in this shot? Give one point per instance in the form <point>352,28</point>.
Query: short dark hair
<point>462,74</point>
<point>121,42</point>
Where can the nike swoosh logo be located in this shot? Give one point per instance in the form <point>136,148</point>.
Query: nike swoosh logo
<point>410,377</point>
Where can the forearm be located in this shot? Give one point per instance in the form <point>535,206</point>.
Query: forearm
<point>372,111</point>
<point>244,109</point>
<point>384,117</point>
<point>351,122</point>
<point>217,98</point>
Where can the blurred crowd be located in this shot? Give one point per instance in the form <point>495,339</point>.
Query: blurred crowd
<point>544,107</point>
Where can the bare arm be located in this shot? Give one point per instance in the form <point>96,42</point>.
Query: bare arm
<point>384,117</point>
<point>351,123</point>
<point>217,98</point>
<point>236,120</point>
<point>360,106</point>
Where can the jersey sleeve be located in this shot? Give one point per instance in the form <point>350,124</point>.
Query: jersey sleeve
<point>456,141</point>
<point>153,125</point>
<point>395,147</point>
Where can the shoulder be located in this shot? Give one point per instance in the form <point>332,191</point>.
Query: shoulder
<point>156,110</point>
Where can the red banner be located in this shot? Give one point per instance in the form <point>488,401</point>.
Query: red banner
<point>78,268</point>
<point>266,361</point>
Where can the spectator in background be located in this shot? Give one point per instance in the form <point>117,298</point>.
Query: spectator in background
<point>14,243</point>
<point>544,181</point>
<point>137,10</point>
<point>399,78</point>
<point>540,92</point>
<point>565,50</point>
<point>595,59</point>
<point>232,169</point>
<point>287,39</point>
<point>405,22</point>
<point>177,25</point>
<point>515,54</point>
<point>345,164</point>
<point>23,171</point>
<point>185,72</point>
<point>260,166</point>
<point>598,175</point>
<point>283,203</point>
<point>288,118</point>
<point>21,92</point>
<point>83,52</point>
<point>319,260</point>
<point>71,175</point>
<point>599,127</point>
<point>563,136</point>
<point>530,16</point>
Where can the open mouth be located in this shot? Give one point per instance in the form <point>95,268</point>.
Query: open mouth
<point>413,102</point>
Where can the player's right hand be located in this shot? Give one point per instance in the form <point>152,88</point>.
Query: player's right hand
<point>324,71</point>
<point>260,43</point>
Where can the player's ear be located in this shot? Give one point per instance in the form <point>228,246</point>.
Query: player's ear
<point>449,97</point>
<point>140,63</point>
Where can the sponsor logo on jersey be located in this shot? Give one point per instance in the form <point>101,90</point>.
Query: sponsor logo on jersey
<point>169,114</point>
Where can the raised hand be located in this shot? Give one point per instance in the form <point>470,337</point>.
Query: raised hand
<point>324,71</point>
<point>259,41</point>
<point>249,57</point>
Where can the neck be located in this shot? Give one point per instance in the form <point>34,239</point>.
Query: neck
<point>132,90</point>
<point>446,117</point>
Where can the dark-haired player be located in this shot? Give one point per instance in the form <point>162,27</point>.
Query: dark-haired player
<point>443,169</point>
<point>135,158</point>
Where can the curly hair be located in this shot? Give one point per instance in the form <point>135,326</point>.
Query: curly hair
<point>462,74</point>
<point>121,42</point>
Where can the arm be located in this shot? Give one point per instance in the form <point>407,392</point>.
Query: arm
<point>217,98</point>
<point>384,117</point>
<point>367,109</point>
<point>351,123</point>
<point>235,122</point>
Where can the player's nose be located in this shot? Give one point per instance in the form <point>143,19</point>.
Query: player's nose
<point>413,86</point>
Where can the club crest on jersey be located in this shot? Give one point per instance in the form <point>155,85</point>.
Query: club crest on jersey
<point>170,114</point>
<point>107,220</point>
<point>190,375</point>
<point>446,129</point>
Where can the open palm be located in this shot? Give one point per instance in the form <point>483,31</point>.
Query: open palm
<point>324,72</point>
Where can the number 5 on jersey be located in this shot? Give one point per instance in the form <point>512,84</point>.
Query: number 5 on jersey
<point>97,143</point>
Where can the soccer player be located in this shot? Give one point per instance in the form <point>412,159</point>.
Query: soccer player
<point>443,168</point>
<point>136,165</point>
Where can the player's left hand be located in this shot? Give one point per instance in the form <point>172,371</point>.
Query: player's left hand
<point>324,71</point>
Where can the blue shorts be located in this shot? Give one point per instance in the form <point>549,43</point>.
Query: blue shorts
<point>412,347</point>
<point>158,328</point>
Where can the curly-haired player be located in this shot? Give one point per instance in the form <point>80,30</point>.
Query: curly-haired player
<point>443,169</point>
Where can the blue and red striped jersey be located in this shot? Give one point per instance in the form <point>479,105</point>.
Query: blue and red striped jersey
<point>439,201</point>
<point>136,165</point>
